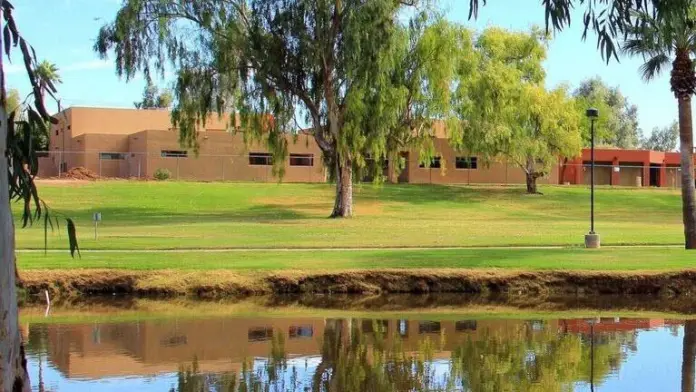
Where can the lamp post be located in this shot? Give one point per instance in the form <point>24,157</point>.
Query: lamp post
<point>592,238</point>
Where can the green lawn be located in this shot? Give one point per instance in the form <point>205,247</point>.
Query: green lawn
<point>163,215</point>
<point>628,259</point>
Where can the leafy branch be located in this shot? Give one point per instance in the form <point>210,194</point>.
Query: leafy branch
<point>22,161</point>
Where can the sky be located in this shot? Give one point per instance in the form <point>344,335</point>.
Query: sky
<point>88,81</point>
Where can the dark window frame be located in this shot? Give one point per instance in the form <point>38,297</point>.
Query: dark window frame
<point>260,159</point>
<point>466,163</point>
<point>174,154</point>
<point>112,156</point>
<point>301,159</point>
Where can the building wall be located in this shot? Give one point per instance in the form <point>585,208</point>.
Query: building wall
<point>496,173</point>
<point>225,156</point>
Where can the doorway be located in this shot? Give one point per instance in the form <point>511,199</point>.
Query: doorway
<point>654,174</point>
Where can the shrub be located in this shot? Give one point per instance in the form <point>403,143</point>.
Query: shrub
<point>162,174</point>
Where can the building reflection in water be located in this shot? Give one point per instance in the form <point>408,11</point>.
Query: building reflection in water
<point>347,354</point>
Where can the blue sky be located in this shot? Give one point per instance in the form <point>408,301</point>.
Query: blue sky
<point>87,81</point>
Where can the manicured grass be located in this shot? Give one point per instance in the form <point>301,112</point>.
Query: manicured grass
<point>154,215</point>
<point>635,259</point>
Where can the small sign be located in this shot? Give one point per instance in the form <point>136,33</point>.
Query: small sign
<point>97,217</point>
<point>617,169</point>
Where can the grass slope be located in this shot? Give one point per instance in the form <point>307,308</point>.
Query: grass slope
<point>627,259</point>
<point>163,215</point>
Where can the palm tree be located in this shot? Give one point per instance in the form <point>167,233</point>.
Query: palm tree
<point>47,74</point>
<point>661,41</point>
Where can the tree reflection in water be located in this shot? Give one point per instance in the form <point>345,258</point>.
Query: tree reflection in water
<point>520,357</point>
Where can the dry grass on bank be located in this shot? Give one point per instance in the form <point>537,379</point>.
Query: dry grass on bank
<point>219,284</point>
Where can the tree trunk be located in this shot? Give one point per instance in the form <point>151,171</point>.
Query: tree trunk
<point>343,205</point>
<point>688,356</point>
<point>13,374</point>
<point>531,183</point>
<point>688,192</point>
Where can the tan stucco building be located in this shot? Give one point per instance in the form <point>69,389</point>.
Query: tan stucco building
<point>130,143</point>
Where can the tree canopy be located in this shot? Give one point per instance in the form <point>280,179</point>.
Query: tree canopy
<point>617,125</point>
<point>506,111</point>
<point>154,99</point>
<point>662,138</point>
<point>351,70</point>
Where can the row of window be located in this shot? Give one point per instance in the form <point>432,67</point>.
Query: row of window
<point>257,334</point>
<point>266,159</point>
<point>255,158</point>
<point>459,163</point>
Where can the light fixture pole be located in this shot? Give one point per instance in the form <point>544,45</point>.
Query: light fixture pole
<point>592,238</point>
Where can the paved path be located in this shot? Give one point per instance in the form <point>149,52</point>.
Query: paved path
<point>416,248</point>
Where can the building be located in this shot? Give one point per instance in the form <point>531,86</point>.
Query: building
<point>625,168</point>
<point>131,143</point>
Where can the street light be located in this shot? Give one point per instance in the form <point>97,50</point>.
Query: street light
<point>592,238</point>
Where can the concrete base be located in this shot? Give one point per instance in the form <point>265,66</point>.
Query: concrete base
<point>592,241</point>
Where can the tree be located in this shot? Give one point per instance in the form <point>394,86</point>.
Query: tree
<point>662,139</point>
<point>507,111</point>
<point>153,99</point>
<point>688,356</point>
<point>48,76</point>
<point>17,170</point>
<point>617,125</point>
<point>664,41</point>
<point>273,60</point>
<point>610,20</point>
<point>547,128</point>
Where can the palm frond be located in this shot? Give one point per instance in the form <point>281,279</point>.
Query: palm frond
<point>654,66</point>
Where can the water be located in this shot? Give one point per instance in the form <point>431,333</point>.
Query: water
<point>381,353</point>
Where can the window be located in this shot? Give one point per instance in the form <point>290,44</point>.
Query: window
<point>466,325</point>
<point>260,334</point>
<point>111,155</point>
<point>302,331</point>
<point>467,163</point>
<point>429,327</point>
<point>174,153</point>
<point>174,341</point>
<point>301,159</point>
<point>434,164</point>
<point>57,131</point>
<point>371,326</point>
<point>260,158</point>
<point>403,327</point>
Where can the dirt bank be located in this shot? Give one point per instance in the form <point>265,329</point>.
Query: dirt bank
<point>220,284</point>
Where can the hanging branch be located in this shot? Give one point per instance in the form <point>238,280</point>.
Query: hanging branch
<point>23,164</point>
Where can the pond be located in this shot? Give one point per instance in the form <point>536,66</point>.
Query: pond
<point>293,350</point>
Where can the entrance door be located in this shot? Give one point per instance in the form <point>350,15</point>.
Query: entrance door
<point>654,175</point>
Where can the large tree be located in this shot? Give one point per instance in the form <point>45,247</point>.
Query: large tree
<point>617,125</point>
<point>153,98</point>
<point>669,42</point>
<point>330,62</point>
<point>662,139</point>
<point>507,112</point>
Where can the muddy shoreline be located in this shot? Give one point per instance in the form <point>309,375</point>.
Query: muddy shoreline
<point>524,286</point>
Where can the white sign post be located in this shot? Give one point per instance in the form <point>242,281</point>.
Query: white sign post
<point>96,218</point>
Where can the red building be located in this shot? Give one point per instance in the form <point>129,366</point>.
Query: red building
<point>624,168</point>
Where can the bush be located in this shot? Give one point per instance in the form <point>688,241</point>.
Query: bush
<point>162,174</point>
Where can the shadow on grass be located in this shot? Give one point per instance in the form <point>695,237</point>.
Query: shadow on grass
<point>433,193</point>
<point>115,216</point>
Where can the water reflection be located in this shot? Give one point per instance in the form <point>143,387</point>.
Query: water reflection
<point>317,354</point>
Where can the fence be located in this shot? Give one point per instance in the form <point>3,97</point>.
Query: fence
<point>182,165</point>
